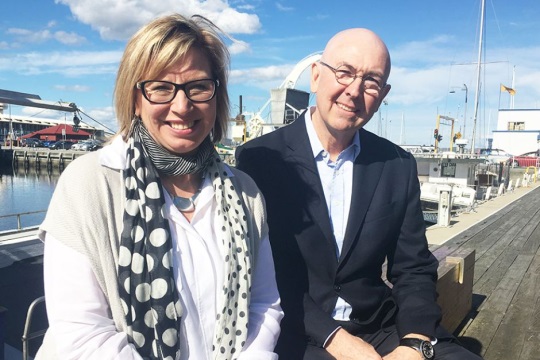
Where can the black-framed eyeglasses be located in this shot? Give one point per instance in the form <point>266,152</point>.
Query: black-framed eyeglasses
<point>163,92</point>
<point>344,76</point>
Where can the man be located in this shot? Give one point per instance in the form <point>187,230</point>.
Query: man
<point>340,202</point>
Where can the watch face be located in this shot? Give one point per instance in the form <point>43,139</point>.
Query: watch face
<point>427,350</point>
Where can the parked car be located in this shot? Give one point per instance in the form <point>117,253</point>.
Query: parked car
<point>87,145</point>
<point>62,144</point>
<point>495,156</point>
<point>80,145</point>
<point>528,159</point>
<point>32,142</point>
<point>95,145</point>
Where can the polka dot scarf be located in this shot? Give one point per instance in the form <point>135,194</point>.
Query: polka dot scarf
<point>146,284</point>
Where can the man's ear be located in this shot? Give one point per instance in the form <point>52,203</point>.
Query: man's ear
<point>384,91</point>
<point>315,76</point>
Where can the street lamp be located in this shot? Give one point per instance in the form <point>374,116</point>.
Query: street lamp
<point>385,103</point>
<point>464,88</point>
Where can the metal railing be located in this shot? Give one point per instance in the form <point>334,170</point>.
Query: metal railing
<point>19,215</point>
<point>27,334</point>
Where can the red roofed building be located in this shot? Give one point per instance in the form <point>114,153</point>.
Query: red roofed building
<point>59,132</point>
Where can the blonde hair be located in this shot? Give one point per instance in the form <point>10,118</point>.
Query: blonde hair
<point>160,44</point>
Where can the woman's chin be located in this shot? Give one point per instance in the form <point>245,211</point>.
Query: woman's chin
<point>183,149</point>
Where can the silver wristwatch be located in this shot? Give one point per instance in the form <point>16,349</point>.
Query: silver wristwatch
<point>423,347</point>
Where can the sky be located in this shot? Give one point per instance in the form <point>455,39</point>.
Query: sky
<point>69,50</point>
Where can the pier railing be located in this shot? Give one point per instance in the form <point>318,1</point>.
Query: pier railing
<point>19,216</point>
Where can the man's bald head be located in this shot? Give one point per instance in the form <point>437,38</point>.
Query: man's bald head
<point>361,40</point>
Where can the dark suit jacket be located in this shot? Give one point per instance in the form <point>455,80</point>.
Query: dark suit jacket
<point>385,221</point>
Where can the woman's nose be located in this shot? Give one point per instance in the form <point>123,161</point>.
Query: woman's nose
<point>181,103</point>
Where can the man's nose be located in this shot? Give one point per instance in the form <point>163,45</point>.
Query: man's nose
<point>356,88</point>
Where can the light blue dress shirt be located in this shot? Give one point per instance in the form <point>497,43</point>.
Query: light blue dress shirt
<point>336,178</point>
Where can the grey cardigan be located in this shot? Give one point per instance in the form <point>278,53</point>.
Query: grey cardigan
<point>86,214</point>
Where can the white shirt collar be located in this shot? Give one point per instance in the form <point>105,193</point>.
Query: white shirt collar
<point>113,155</point>
<point>316,146</point>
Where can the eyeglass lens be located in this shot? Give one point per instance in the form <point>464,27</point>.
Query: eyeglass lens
<point>346,77</point>
<point>164,91</point>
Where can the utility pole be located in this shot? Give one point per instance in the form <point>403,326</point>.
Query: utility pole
<point>465,110</point>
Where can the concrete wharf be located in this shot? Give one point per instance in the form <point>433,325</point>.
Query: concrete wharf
<point>38,158</point>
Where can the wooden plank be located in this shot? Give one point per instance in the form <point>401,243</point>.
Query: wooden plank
<point>494,272</point>
<point>494,246</point>
<point>485,324</point>
<point>454,286</point>
<point>530,348</point>
<point>530,227</point>
<point>505,243</point>
<point>442,251</point>
<point>516,326</point>
<point>532,245</point>
<point>484,240</point>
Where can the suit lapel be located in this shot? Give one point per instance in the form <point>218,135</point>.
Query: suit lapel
<point>299,156</point>
<point>366,174</point>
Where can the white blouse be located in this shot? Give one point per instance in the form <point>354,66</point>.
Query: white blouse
<point>79,314</point>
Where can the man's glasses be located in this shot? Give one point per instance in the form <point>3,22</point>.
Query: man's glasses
<point>163,92</point>
<point>345,76</point>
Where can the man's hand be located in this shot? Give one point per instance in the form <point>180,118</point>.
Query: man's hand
<point>344,346</point>
<point>403,353</point>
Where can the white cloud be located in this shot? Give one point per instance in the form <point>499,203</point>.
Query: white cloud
<point>25,35</point>
<point>42,113</point>
<point>233,22</point>
<point>261,76</point>
<point>73,88</point>
<point>69,38</point>
<point>283,8</point>
<point>105,116</point>
<point>246,7</point>
<point>124,17</point>
<point>441,49</point>
<point>238,47</point>
<point>41,36</point>
<point>74,63</point>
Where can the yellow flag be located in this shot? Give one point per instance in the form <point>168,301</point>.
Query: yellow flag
<point>510,90</point>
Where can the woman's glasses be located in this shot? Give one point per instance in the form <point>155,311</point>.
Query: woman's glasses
<point>163,92</point>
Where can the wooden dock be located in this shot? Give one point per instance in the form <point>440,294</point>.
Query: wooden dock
<point>505,319</point>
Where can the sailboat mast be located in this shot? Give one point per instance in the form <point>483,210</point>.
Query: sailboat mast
<point>477,95</point>
<point>402,134</point>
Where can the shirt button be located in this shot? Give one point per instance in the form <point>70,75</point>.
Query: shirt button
<point>337,288</point>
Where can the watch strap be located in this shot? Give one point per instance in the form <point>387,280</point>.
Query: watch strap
<point>422,346</point>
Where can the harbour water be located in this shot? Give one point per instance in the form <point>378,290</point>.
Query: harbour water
<point>25,190</point>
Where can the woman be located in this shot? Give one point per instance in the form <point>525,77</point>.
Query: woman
<point>153,247</point>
